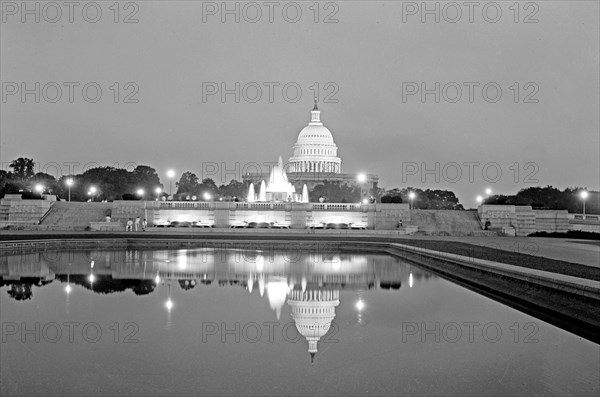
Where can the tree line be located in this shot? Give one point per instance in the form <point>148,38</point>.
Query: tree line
<point>117,184</point>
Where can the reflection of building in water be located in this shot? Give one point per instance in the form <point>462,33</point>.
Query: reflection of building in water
<point>272,272</point>
<point>313,311</point>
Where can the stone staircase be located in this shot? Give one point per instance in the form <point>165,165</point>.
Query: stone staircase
<point>454,223</point>
<point>74,216</point>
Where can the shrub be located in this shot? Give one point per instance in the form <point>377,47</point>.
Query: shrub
<point>31,196</point>
<point>397,200</point>
<point>386,199</point>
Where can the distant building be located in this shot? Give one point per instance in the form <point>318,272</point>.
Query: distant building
<point>315,160</point>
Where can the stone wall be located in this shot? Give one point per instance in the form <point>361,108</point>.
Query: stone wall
<point>523,219</point>
<point>18,211</point>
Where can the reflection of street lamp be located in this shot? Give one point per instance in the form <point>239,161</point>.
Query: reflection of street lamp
<point>170,175</point>
<point>584,195</point>
<point>69,184</point>
<point>169,303</point>
<point>360,304</point>
<point>411,197</point>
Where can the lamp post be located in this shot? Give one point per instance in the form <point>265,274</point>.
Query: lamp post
<point>92,192</point>
<point>69,183</point>
<point>361,178</point>
<point>411,197</point>
<point>170,175</point>
<point>584,195</point>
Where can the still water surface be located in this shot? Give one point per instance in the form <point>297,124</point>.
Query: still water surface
<point>231,322</point>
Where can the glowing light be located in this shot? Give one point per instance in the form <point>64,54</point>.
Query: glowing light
<point>261,286</point>
<point>68,289</point>
<point>361,178</point>
<point>412,195</point>
<point>169,304</point>
<point>69,182</point>
<point>91,278</point>
<point>206,196</point>
<point>93,189</point>
<point>158,190</point>
<point>360,305</point>
<point>479,199</point>
<point>39,188</point>
<point>170,173</point>
<point>365,201</point>
<point>584,194</point>
<point>410,280</point>
<point>337,264</point>
<point>157,279</point>
<point>140,192</point>
<point>488,191</point>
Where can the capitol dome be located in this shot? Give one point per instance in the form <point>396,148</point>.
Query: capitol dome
<point>315,150</point>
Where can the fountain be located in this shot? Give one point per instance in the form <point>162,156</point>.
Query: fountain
<point>304,194</point>
<point>262,193</point>
<point>278,188</point>
<point>251,194</point>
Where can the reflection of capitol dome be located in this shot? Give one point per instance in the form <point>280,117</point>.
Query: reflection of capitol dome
<point>313,311</point>
<point>315,150</point>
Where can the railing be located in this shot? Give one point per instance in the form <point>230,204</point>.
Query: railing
<point>201,205</point>
<point>46,213</point>
<point>336,206</point>
<point>280,206</point>
<point>260,206</point>
<point>586,217</point>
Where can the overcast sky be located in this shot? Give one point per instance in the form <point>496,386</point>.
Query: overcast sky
<point>370,57</point>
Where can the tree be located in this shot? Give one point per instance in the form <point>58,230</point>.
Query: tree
<point>234,188</point>
<point>23,167</point>
<point>47,181</point>
<point>335,192</point>
<point>188,183</point>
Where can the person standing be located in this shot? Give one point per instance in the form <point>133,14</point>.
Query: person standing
<point>137,224</point>
<point>144,224</point>
<point>129,226</point>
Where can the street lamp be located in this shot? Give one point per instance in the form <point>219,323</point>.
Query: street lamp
<point>39,188</point>
<point>170,175</point>
<point>584,195</point>
<point>92,192</point>
<point>158,191</point>
<point>207,196</point>
<point>479,199</point>
<point>488,191</point>
<point>361,178</point>
<point>69,184</point>
<point>411,197</point>
<point>140,192</point>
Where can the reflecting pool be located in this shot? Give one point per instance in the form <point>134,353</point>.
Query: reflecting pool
<point>256,322</point>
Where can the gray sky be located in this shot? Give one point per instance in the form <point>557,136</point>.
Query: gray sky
<point>369,55</point>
